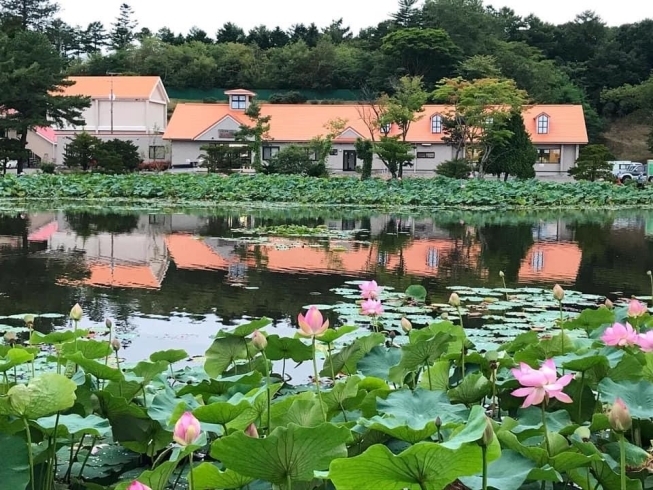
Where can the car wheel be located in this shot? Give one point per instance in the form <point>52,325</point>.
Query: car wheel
<point>625,178</point>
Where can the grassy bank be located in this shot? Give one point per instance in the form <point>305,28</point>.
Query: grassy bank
<point>214,189</point>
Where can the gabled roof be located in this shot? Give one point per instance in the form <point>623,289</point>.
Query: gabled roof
<point>124,87</point>
<point>302,122</point>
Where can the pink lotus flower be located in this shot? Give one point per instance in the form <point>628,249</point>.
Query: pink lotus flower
<point>187,429</point>
<point>541,384</point>
<point>645,341</point>
<point>313,324</point>
<point>251,431</point>
<point>136,485</point>
<point>619,335</point>
<point>636,308</point>
<point>372,307</point>
<point>370,290</point>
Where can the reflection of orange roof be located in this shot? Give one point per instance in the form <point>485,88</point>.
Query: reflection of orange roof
<point>551,262</point>
<point>44,233</point>
<point>124,87</point>
<point>302,122</point>
<point>188,252</point>
<point>118,276</point>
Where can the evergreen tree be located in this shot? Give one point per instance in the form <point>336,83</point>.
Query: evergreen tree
<point>94,38</point>
<point>124,29</point>
<point>255,135</point>
<point>32,77</point>
<point>592,164</point>
<point>365,152</point>
<point>82,151</point>
<point>516,154</point>
<point>650,140</point>
<point>30,14</point>
<point>407,15</point>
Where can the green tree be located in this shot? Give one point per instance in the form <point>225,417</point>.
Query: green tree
<point>592,164</point>
<point>219,158</point>
<point>515,155</point>
<point>394,153</point>
<point>365,152</point>
<point>480,108</point>
<point>650,140</point>
<point>429,53</point>
<point>407,15</point>
<point>295,159</point>
<point>255,134</point>
<point>479,66</point>
<point>94,38</point>
<point>125,150</point>
<point>81,152</point>
<point>124,29</point>
<point>458,168</point>
<point>30,87</point>
<point>230,33</point>
<point>30,14</point>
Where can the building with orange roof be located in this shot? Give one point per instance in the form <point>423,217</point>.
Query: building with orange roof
<point>131,108</point>
<point>558,131</point>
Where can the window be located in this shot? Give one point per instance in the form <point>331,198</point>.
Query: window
<point>425,154</point>
<point>537,261</point>
<point>548,155</point>
<point>385,129</point>
<point>432,258</point>
<point>489,121</point>
<point>157,152</point>
<point>542,124</point>
<point>383,258</point>
<point>269,152</point>
<point>436,124</point>
<point>312,155</point>
<point>334,152</point>
<point>239,102</point>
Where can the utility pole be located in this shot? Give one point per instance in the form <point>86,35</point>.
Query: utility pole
<point>111,96</point>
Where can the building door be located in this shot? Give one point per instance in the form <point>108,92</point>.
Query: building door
<point>348,160</point>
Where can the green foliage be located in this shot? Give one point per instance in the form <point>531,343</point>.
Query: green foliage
<point>459,168</point>
<point>515,155</point>
<point>592,164</point>
<point>396,154</point>
<point>47,167</point>
<point>365,152</point>
<point>81,152</point>
<point>296,160</point>
<point>650,140</point>
<point>220,158</point>
<point>110,157</point>
<point>255,135</point>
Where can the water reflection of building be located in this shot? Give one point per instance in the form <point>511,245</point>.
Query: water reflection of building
<point>137,253</point>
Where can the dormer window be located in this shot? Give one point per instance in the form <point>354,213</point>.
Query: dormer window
<point>385,129</point>
<point>489,121</point>
<point>436,124</point>
<point>239,102</point>
<point>542,124</point>
<point>239,99</point>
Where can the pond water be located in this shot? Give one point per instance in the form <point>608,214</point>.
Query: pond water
<point>172,280</point>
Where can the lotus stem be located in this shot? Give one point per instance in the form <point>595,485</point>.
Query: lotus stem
<point>106,359</point>
<point>562,331</point>
<point>622,464</point>
<point>75,323</point>
<point>317,379</point>
<point>88,454</point>
<point>462,354</point>
<point>428,374</point>
<point>650,276</point>
<point>30,455</point>
<point>503,279</point>
<point>191,484</point>
<point>580,397</point>
<point>333,371</point>
<point>288,482</point>
<point>546,431</point>
<point>269,392</point>
<point>484,455</point>
<point>52,465</point>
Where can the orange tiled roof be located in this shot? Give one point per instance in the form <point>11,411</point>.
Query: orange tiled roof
<point>301,122</point>
<point>124,87</point>
<point>118,276</point>
<point>551,262</point>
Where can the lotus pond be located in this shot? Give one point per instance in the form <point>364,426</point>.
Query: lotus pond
<point>187,365</point>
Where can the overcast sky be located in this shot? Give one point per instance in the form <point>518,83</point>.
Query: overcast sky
<point>211,14</point>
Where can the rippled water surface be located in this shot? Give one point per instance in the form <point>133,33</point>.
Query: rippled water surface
<point>172,280</point>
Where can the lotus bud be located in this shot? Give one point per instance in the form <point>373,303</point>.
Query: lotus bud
<point>136,485</point>
<point>445,316</point>
<point>492,356</point>
<point>29,320</point>
<point>583,433</point>
<point>392,334</point>
<point>488,434</point>
<point>406,325</point>
<point>10,338</point>
<point>95,402</point>
<point>454,300</point>
<point>76,313</point>
<point>251,431</point>
<point>438,422</point>
<point>608,304</point>
<point>108,323</point>
<point>259,341</point>
<point>116,345</point>
<point>619,417</point>
<point>558,293</point>
<point>501,274</point>
<point>187,429</point>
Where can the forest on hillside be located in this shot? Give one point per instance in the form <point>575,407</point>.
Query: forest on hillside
<point>608,69</point>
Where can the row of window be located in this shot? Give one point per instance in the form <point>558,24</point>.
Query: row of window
<point>436,124</point>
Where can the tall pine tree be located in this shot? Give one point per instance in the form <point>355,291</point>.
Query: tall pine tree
<point>29,14</point>
<point>124,29</point>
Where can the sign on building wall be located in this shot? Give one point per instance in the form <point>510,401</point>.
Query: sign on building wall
<point>226,134</point>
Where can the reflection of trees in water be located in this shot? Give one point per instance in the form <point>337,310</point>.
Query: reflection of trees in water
<point>503,248</point>
<point>86,224</point>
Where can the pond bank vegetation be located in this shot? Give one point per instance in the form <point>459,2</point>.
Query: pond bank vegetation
<point>213,190</point>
